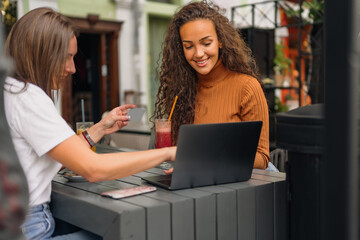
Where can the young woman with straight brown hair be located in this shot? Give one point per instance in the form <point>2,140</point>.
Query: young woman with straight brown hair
<point>42,45</point>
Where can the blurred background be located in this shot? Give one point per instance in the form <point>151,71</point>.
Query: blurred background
<point>120,44</point>
<point>118,61</point>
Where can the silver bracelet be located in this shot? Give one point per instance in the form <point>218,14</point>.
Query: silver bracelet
<point>88,138</point>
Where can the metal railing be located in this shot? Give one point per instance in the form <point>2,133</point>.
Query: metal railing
<point>266,15</point>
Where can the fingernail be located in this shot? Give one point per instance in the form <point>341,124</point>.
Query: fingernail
<point>128,117</point>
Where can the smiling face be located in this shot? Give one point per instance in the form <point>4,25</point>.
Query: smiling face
<point>200,44</point>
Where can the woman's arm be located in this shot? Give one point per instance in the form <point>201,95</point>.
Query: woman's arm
<point>75,154</point>
<point>255,108</point>
<point>112,122</point>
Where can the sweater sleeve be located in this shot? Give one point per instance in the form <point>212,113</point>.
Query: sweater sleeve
<point>254,108</point>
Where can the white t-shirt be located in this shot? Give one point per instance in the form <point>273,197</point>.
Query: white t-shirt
<point>35,127</point>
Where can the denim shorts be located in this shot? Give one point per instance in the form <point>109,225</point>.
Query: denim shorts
<point>40,225</point>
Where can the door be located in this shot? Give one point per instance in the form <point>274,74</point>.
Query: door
<point>157,29</point>
<point>97,75</point>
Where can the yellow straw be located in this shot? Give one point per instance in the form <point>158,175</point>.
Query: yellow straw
<point>172,109</point>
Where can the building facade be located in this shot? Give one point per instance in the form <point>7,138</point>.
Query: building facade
<point>119,50</point>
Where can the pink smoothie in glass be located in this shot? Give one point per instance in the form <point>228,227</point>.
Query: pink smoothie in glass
<point>163,138</point>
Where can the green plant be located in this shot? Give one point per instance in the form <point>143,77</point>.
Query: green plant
<point>281,62</point>
<point>291,12</point>
<point>279,107</point>
<point>316,10</point>
<point>288,97</point>
<point>8,13</point>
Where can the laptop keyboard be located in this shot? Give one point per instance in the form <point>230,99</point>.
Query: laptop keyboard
<point>165,181</point>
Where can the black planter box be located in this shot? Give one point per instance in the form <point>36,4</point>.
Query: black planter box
<point>301,132</point>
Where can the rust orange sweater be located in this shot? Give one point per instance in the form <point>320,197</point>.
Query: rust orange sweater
<point>227,96</point>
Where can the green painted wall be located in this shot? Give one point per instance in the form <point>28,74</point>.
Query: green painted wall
<point>106,9</point>
<point>157,17</point>
<point>160,9</point>
<point>25,6</point>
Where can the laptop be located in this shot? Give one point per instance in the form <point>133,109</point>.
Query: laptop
<point>210,154</point>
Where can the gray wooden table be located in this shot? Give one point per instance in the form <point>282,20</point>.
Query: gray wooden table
<point>255,209</point>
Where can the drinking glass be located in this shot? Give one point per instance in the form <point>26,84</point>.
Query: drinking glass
<point>82,126</point>
<point>163,137</point>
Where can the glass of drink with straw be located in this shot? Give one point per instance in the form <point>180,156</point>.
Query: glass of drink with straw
<point>82,126</point>
<point>163,134</point>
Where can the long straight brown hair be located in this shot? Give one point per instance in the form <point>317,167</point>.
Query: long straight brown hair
<point>38,44</point>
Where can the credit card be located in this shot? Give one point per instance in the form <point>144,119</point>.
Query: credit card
<point>136,114</point>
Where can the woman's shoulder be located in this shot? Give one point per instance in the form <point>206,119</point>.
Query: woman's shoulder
<point>13,85</point>
<point>243,79</point>
<point>25,95</point>
<point>246,84</point>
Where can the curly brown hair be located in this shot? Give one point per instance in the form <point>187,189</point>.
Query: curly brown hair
<point>178,78</point>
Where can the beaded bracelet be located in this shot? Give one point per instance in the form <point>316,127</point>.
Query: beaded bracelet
<point>88,138</point>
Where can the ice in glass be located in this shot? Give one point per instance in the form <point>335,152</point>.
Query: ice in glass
<point>163,133</point>
<point>82,126</point>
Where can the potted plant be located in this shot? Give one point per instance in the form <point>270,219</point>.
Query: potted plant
<point>8,14</point>
<point>281,64</point>
<point>279,106</point>
<point>316,10</point>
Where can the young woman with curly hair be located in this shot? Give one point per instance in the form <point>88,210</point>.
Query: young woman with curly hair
<point>209,67</point>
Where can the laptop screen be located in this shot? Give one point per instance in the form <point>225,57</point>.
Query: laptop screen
<point>209,154</point>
